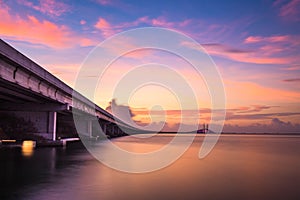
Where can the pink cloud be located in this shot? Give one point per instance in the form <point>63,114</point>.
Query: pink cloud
<point>102,24</point>
<point>185,23</point>
<point>48,7</point>
<point>144,19</point>
<point>119,47</point>
<point>189,26</point>
<point>276,38</point>
<point>161,21</point>
<point>274,125</point>
<point>34,30</point>
<point>82,22</point>
<point>276,49</point>
<point>105,2</point>
<point>108,29</point>
<point>282,49</point>
<point>292,80</point>
<point>292,68</point>
<point>253,39</point>
<point>243,55</point>
<point>86,42</point>
<point>271,49</point>
<point>291,10</point>
<point>105,27</point>
<point>121,5</point>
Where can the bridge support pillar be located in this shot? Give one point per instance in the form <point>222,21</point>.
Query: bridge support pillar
<point>104,128</point>
<point>90,128</point>
<point>52,118</point>
<point>113,129</point>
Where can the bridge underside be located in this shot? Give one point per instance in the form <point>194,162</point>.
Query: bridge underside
<point>51,119</point>
<point>30,94</point>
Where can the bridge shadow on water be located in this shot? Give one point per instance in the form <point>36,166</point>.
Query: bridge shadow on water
<point>20,172</point>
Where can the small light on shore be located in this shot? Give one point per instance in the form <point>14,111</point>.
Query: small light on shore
<point>27,147</point>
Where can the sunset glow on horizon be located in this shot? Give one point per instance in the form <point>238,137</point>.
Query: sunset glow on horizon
<point>254,44</point>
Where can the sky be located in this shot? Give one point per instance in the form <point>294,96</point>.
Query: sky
<point>255,46</point>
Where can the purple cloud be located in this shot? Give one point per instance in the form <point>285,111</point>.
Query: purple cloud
<point>292,80</point>
<point>275,126</point>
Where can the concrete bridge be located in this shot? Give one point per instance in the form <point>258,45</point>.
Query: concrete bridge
<point>29,91</point>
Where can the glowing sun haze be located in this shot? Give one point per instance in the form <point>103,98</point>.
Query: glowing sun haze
<point>255,45</point>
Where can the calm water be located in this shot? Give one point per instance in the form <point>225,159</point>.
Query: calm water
<point>239,167</point>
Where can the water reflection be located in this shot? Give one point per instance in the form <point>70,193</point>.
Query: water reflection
<point>28,148</point>
<point>252,167</point>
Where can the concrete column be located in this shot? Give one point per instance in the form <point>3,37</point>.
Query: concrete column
<point>113,129</point>
<point>90,128</point>
<point>52,118</point>
<point>54,125</point>
<point>104,128</point>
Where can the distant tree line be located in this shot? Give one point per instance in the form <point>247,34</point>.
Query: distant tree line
<point>14,127</point>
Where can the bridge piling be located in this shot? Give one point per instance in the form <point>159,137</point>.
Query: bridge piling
<point>90,128</point>
<point>52,122</point>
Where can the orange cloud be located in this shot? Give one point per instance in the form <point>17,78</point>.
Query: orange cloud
<point>244,115</point>
<point>256,93</point>
<point>37,31</point>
